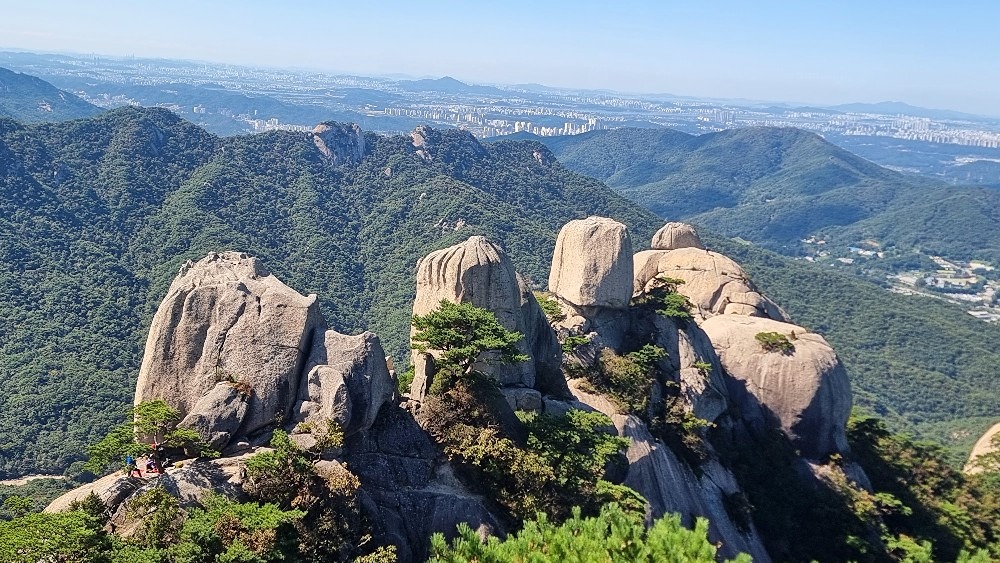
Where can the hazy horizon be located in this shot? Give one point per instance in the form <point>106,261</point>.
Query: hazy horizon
<point>919,53</point>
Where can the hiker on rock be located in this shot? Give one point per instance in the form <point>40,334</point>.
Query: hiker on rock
<point>131,466</point>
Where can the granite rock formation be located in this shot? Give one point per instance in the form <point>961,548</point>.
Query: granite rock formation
<point>676,235</point>
<point>805,390</point>
<point>340,143</point>
<point>227,319</point>
<point>478,272</point>
<point>592,264</point>
<point>713,283</point>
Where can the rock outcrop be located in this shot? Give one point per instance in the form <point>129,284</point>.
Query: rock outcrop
<point>713,283</point>
<point>188,483</point>
<point>341,143</point>
<point>346,380</point>
<point>700,378</point>
<point>804,391</point>
<point>592,264</point>
<point>669,485</point>
<point>218,415</point>
<point>227,319</point>
<point>984,445</point>
<point>676,235</point>
<point>428,144</point>
<point>237,352</point>
<point>478,272</point>
<point>409,493</point>
<point>240,354</point>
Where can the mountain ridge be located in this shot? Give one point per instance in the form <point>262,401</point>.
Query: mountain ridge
<point>29,98</point>
<point>776,186</point>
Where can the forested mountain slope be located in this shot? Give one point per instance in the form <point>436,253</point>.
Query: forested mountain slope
<point>97,215</point>
<point>775,186</point>
<point>28,98</point>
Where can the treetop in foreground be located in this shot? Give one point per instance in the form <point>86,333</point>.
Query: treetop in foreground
<point>613,535</point>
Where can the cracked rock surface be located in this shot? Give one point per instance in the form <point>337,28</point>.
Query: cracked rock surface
<point>227,319</point>
<point>715,284</point>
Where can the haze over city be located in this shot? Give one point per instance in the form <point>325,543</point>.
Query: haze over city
<point>923,53</point>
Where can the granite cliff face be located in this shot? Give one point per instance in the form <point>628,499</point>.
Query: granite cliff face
<point>240,354</point>
<point>227,320</point>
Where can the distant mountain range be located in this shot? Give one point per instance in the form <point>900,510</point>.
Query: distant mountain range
<point>449,85</point>
<point>29,99</point>
<point>775,186</point>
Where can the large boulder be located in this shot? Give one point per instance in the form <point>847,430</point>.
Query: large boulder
<point>592,263</point>
<point>478,272</point>
<point>713,283</point>
<point>984,445</point>
<point>226,318</point>
<point>676,235</point>
<point>804,390</point>
<point>347,380</point>
<point>218,415</point>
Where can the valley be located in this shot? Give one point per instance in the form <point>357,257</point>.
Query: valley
<point>480,325</point>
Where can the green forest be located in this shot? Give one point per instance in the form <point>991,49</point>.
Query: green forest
<point>97,215</point>
<point>775,186</point>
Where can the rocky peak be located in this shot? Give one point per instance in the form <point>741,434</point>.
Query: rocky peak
<point>234,350</point>
<point>592,263</point>
<point>676,235</point>
<point>341,143</point>
<point>479,272</point>
<point>226,320</point>
<point>433,145</point>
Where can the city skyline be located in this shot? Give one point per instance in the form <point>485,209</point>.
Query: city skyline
<point>918,52</point>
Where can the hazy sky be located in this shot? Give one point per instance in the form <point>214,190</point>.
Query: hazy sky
<point>930,53</point>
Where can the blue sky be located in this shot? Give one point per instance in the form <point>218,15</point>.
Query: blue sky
<point>935,54</point>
